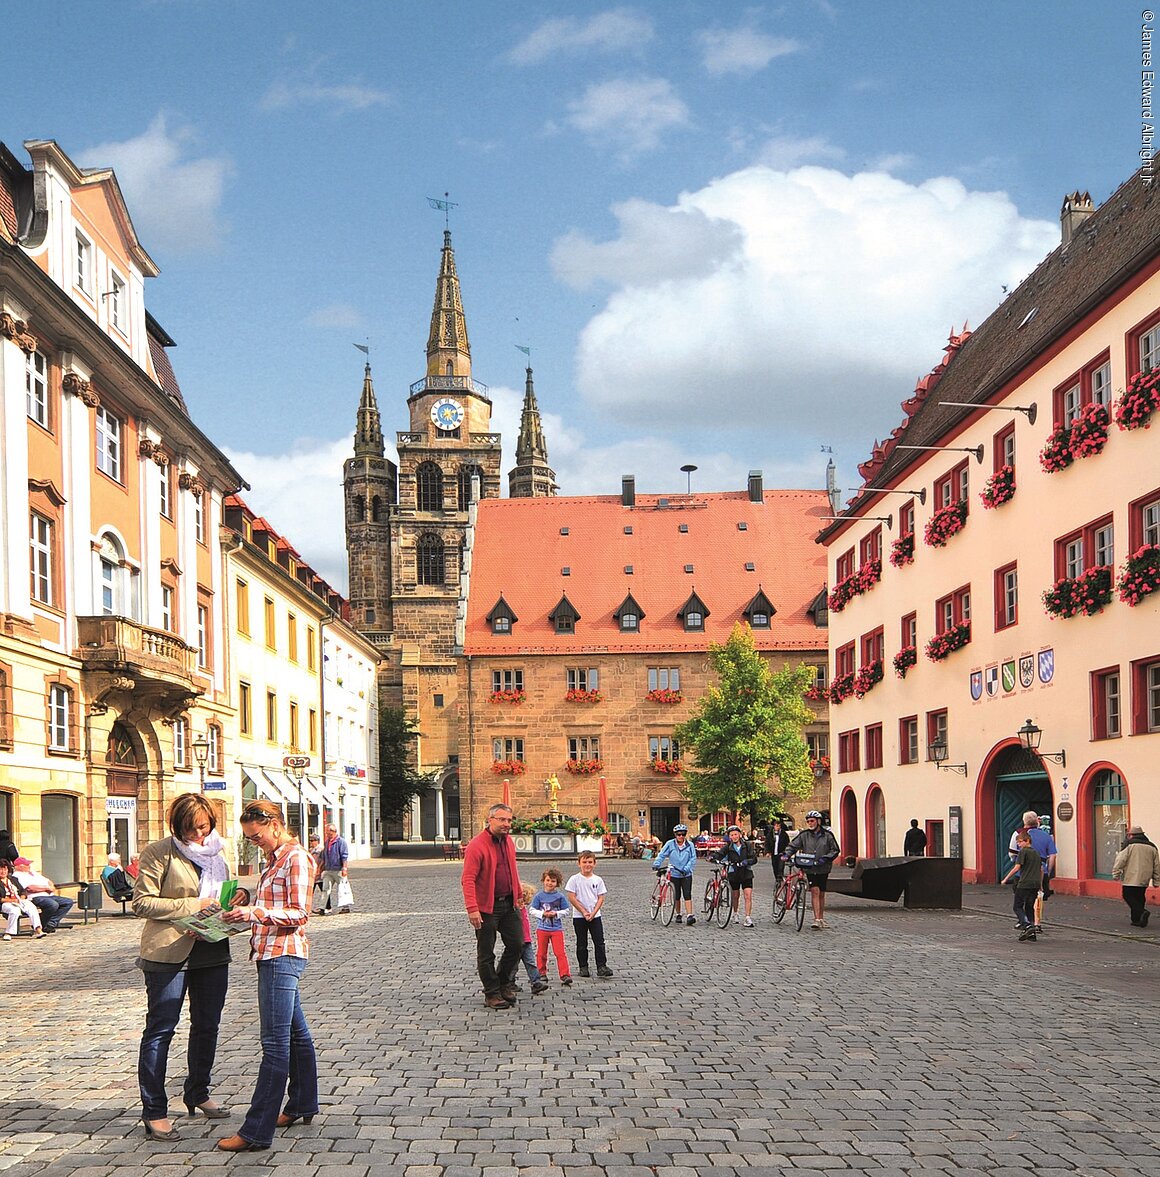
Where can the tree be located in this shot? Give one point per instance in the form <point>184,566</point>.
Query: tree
<point>746,732</point>
<point>398,780</point>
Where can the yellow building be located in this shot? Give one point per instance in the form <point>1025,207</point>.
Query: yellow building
<point>111,640</point>
<point>981,578</point>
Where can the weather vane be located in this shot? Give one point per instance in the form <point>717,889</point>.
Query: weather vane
<point>445,206</point>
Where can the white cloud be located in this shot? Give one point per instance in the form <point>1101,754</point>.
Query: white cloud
<point>894,162</point>
<point>342,99</point>
<point>606,32</point>
<point>784,152</point>
<point>630,115</point>
<point>175,202</point>
<point>337,314</point>
<point>742,51</point>
<point>837,295</point>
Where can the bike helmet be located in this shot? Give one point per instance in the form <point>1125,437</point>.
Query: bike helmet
<point>680,829</point>
<point>814,813</point>
<point>732,828</point>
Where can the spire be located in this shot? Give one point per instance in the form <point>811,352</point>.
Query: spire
<point>448,351</point>
<point>368,433</point>
<point>531,476</point>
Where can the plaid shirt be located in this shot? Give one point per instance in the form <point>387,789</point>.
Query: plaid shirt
<point>283,895</point>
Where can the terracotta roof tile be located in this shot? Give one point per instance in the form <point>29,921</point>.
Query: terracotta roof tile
<point>519,552</point>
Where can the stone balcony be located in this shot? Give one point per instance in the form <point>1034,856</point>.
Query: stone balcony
<point>123,657</point>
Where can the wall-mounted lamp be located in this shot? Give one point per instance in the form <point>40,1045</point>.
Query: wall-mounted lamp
<point>977,450</point>
<point>1030,735</point>
<point>919,494</point>
<point>887,519</point>
<point>1029,411</point>
<point>938,753</point>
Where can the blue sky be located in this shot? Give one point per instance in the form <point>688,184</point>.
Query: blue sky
<point>731,234</point>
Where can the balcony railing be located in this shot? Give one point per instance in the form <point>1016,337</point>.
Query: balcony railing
<point>448,384</point>
<point>107,643</point>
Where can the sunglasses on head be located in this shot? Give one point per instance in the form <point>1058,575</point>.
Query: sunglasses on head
<point>255,815</point>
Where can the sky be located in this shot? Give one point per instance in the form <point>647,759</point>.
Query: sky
<point>732,235</point>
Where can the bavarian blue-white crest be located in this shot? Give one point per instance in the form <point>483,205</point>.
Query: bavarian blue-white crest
<point>1046,665</point>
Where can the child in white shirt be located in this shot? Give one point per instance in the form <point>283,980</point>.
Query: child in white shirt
<point>586,892</point>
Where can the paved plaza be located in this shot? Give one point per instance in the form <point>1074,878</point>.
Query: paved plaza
<point>896,1042</point>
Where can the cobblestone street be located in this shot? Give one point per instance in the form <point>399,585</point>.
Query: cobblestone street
<point>895,1042</point>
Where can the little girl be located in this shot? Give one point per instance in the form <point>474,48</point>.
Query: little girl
<point>548,908</point>
<point>529,955</point>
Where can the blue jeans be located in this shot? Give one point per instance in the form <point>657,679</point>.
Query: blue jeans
<point>53,908</point>
<point>287,1051</point>
<point>166,992</point>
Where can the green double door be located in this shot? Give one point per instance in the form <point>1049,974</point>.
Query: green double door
<point>1015,793</point>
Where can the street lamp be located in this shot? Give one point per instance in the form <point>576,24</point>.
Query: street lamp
<point>341,799</point>
<point>201,755</point>
<point>1030,735</point>
<point>299,770</point>
<point>938,753</point>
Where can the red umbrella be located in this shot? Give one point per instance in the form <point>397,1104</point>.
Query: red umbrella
<point>602,802</point>
<point>507,793</point>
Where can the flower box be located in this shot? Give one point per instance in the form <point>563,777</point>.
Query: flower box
<point>947,642</point>
<point>818,694</point>
<point>865,578</point>
<point>902,551</point>
<point>1087,593</point>
<point>508,697</point>
<point>867,677</point>
<point>1086,435</point>
<point>666,767</point>
<point>945,522</point>
<point>575,696</point>
<point>820,766</point>
<point>904,660</point>
<point>1140,575</point>
<point>583,767</point>
<point>663,695</point>
<point>999,489</point>
<point>508,767</point>
<point>841,688</point>
<point>1139,401</point>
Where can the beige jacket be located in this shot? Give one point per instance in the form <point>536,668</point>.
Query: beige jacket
<point>166,889</point>
<point>1137,865</point>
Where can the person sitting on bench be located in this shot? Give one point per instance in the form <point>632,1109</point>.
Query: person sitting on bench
<point>116,881</point>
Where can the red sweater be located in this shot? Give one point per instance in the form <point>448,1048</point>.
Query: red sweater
<point>478,880</point>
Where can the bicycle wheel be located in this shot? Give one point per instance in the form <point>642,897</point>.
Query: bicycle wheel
<point>780,901</point>
<point>710,893</point>
<point>654,902</point>
<point>800,900</point>
<point>668,903</point>
<point>724,904</point>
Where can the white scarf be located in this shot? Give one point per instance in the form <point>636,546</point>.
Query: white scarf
<point>208,858</point>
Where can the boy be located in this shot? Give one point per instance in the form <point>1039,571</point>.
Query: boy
<point>548,907</point>
<point>1029,867</point>
<point>529,953</point>
<point>586,892</point>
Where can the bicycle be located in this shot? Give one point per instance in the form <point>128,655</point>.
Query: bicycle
<point>794,890</point>
<point>663,901</point>
<point>718,901</point>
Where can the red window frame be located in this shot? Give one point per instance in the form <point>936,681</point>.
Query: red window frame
<point>874,746</point>
<point>908,631</point>
<point>1088,534</point>
<point>932,729</point>
<point>873,646</point>
<point>844,660</point>
<point>960,609</point>
<point>1099,703</point>
<point>1134,362</point>
<point>844,566</point>
<point>999,446</point>
<point>1001,619</point>
<point>1081,379</point>
<point>1140,668</point>
<point>848,757</point>
<point>954,486</point>
<point>904,756</point>
<point>906,519</point>
<point>870,546</point>
<point>1136,510</point>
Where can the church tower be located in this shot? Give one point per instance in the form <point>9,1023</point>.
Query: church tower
<point>370,481</point>
<point>531,477</point>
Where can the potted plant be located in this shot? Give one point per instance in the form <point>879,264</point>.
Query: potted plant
<point>1087,593</point>
<point>902,551</point>
<point>663,695</point>
<point>1140,575</point>
<point>947,642</point>
<point>508,696</point>
<point>508,767</point>
<point>583,767</point>
<point>1139,401</point>
<point>999,489</point>
<point>945,522</point>
<point>904,660</point>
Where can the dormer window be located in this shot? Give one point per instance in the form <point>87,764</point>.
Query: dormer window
<point>693,613</point>
<point>629,615</point>
<point>564,616</point>
<point>759,611</point>
<point>501,618</point>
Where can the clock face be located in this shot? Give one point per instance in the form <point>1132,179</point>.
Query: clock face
<point>447,413</point>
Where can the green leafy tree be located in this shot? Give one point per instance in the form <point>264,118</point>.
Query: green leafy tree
<point>398,779</point>
<point>746,732</point>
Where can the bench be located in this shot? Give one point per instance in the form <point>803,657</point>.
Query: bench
<point>122,899</point>
<point>451,851</point>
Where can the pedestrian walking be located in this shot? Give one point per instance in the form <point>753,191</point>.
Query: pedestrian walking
<point>1027,874</point>
<point>823,847</point>
<point>1137,865</point>
<point>278,915</point>
<point>914,844</point>
<point>681,856</point>
<point>777,843</point>
<point>738,857</point>
<point>548,907</point>
<point>333,858</point>
<point>491,893</point>
<point>586,892</point>
<point>537,982</point>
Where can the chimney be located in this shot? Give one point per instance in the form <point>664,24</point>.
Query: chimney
<point>755,486</point>
<point>1077,207</point>
<point>832,488</point>
<point>628,490</point>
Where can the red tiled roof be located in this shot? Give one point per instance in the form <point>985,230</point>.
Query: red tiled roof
<point>518,552</point>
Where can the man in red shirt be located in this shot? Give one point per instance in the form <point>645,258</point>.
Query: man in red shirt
<point>491,892</point>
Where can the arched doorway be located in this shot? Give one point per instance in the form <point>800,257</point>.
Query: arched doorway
<point>875,823</point>
<point>1102,813</point>
<point>1016,781</point>
<point>121,785</point>
<point>848,817</point>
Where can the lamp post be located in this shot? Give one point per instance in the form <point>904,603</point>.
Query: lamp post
<point>299,771</point>
<point>341,813</point>
<point>201,755</point>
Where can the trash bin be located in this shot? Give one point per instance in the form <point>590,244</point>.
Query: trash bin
<point>91,897</point>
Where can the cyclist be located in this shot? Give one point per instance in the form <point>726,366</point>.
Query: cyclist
<point>681,856</point>
<point>815,839</point>
<point>739,856</point>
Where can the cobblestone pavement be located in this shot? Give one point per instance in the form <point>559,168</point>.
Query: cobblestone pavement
<point>893,1043</point>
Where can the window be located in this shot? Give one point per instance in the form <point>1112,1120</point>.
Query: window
<point>271,624</point>
<point>501,623</point>
<point>243,606</point>
<point>292,636</point>
<point>213,760</point>
<point>936,730</point>
<point>953,487</point>
<point>429,487</point>
<point>908,631</point>
<point>870,546</point>
<point>844,565</point>
<point>1105,703</point>
<point>908,740</point>
<point>167,609</point>
<point>583,678</point>
<point>845,660</point>
<point>619,824</point>
<point>664,748</point>
<point>874,746</point>
<point>953,610</point>
<point>293,725</point>
<point>36,387</point>
<point>873,647</point>
<point>117,303</point>
<point>1090,547</point>
<point>848,758</point>
<point>1006,596</point>
<point>1147,349</point>
<point>511,749</point>
<point>40,542</point>
<point>6,732</point>
<point>84,260</point>
<point>1144,521</point>
<point>203,637</point>
<point>1091,385</point>
<point>818,744</point>
<point>117,582</point>
<point>466,476</point>
<point>1146,696</point>
<point>906,518</point>
<point>109,442</point>
<point>272,716</point>
<point>629,622</point>
<point>199,517</point>
<point>165,484</point>
<point>312,729</point>
<point>311,663</point>
<point>664,678</point>
<point>1003,448</point>
<point>507,680</point>
<point>564,616</point>
<point>245,709</point>
<point>181,743</point>
<point>694,620</point>
<point>583,747</point>
<point>820,676</point>
<point>59,715</point>
<point>429,559</point>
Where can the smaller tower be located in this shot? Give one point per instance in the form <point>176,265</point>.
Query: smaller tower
<point>531,477</point>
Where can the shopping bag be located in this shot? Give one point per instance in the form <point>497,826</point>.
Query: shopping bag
<point>345,896</point>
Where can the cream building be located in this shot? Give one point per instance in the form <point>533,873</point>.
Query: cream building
<point>929,582</point>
